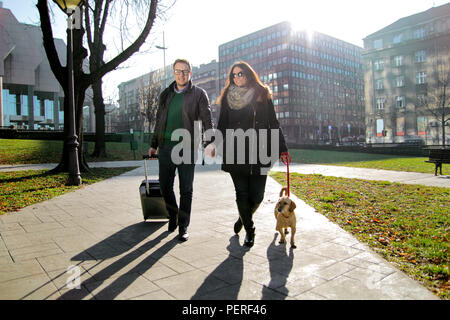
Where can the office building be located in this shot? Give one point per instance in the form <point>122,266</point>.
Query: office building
<point>30,96</point>
<point>316,81</point>
<point>406,66</point>
<point>129,114</point>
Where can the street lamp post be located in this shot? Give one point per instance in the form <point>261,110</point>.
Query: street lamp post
<point>164,48</point>
<point>71,140</point>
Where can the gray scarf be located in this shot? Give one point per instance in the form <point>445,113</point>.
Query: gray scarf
<point>238,97</point>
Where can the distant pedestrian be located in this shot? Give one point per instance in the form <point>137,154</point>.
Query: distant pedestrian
<point>247,104</point>
<point>180,105</point>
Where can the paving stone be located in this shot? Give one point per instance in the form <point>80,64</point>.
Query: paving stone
<point>188,284</point>
<point>31,252</point>
<point>35,287</point>
<point>126,286</point>
<point>41,227</point>
<point>20,270</point>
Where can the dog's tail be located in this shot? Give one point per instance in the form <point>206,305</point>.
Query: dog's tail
<point>284,189</point>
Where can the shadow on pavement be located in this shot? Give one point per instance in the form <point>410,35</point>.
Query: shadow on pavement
<point>130,235</point>
<point>280,266</point>
<point>231,270</point>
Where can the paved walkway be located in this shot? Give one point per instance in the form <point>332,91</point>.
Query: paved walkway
<point>100,232</point>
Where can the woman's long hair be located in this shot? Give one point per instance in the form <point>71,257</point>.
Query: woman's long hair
<point>262,92</point>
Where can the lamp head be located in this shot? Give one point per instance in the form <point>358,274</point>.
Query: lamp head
<point>68,5</point>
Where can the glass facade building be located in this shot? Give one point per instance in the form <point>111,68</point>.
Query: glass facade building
<point>317,81</point>
<point>16,111</point>
<point>30,96</point>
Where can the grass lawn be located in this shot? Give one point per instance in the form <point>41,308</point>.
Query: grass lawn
<point>19,189</point>
<point>407,224</point>
<point>364,160</point>
<point>16,151</point>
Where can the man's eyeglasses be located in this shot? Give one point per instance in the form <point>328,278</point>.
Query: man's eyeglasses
<point>239,74</point>
<point>184,72</point>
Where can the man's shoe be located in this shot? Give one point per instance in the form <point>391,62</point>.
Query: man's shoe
<point>172,224</point>
<point>250,238</point>
<point>238,226</point>
<point>183,236</point>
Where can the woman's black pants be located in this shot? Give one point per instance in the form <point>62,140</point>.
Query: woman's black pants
<point>249,195</point>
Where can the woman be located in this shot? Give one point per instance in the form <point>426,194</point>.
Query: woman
<point>246,104</point>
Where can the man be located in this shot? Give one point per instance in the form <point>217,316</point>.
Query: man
<point>180,105</point>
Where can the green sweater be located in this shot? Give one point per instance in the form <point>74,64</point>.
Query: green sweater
<point>174,118</point>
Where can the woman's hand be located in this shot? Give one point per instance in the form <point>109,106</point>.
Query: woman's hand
<point>285,158</point>
<point>210,150</point>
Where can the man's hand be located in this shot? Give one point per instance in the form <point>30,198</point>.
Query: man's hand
<point>152,152</point>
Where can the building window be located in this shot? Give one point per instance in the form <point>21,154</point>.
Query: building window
<point>380,103</point>
<point>419,33</point>
<point>421,56</point>
<point>380,127</point>
<point>378,65</point>
<point>398,38</point>
<point>379,84</point>
<point>421,125</point>
<point>399,81</point>
<point>377,44</point>
<point>398,61</point>
<point>400,126</point>
<point>400,102</point>
<point>421,77</point>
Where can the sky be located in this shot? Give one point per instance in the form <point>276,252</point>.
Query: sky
<point>194,29</point>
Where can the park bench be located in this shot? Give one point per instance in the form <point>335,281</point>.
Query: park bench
<point>438,157</point>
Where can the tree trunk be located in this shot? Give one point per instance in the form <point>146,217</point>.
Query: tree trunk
<point>63,165</point>
<point>81,80</point>
<point>100,145</point>
<point>79,54</point>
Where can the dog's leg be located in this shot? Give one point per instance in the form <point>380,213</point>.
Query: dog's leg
<point>286,231</point>
<point>293,229</point>
<point>283,237</point>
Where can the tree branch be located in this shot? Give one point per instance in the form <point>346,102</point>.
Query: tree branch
<point>49,44</point>
<point>104,18</point>
<point>88,28</point>
<point>128,52</point>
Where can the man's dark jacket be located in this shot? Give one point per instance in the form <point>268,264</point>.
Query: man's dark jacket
<point>195,107</point>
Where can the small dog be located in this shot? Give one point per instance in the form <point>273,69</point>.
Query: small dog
<point>285,216</point>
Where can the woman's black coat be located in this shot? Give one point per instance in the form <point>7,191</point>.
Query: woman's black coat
<point>256,115</point>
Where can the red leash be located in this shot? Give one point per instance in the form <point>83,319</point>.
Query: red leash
<point>286,161</point>
<point>288,191</point>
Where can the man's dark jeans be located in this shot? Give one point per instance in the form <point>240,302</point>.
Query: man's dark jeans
<point>186,180</point>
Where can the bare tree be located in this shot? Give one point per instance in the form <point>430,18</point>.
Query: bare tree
<point>148,102</point>
<point>98,15</point>
<point>437,99</point>
<point>83,80</point>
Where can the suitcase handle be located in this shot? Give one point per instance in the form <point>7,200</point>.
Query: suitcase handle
<point>147,157</point>
<point>153,157</point>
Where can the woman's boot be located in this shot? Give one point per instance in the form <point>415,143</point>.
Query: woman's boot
<point>250,238</point>
<point>245,216</point>
<point>238,226</point>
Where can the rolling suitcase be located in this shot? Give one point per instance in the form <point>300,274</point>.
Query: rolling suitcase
<point>152,201</point>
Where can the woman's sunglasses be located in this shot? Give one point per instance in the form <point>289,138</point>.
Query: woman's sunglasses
<point>239,74</point>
